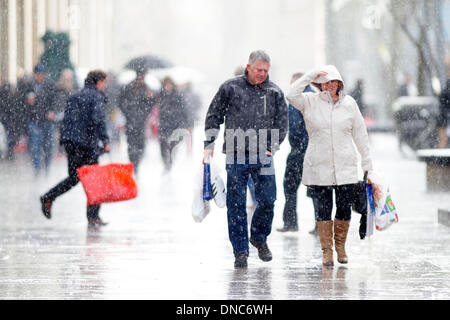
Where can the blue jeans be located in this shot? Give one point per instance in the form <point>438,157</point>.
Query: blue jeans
<point>263,176</point>
<point>41,143</point>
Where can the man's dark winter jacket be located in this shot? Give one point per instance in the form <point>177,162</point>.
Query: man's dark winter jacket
<point>250,108</point>
<point>84,120</point>
<point>136,105</point>
<point>173,113</point>
<point>45,93</point>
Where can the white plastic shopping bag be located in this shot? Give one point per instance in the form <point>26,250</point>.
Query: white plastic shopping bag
<point>385,213</point>
<point>218,187</point>
<point>382,211</point>
<point>208,185</point>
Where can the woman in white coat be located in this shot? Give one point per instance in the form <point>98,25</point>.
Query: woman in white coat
<point>335,125</point>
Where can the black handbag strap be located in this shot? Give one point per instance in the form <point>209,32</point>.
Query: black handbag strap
<point>365,176</point>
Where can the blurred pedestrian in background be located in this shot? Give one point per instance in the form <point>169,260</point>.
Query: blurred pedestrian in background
<point>115,119</point>
<point>444,115</point>
<point>298,139</point>
<point>193,107</point>
<point>84,137</point>
<point>39,99</point>
<point>173,115</point>
<point>334,124</point>
<point>9,118</point>
<point>407,88</point>
<point>65,86</point>
<point>358,94</point>
<point>136,100</point>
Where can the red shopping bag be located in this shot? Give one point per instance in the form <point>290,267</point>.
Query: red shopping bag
<point>108,183</point>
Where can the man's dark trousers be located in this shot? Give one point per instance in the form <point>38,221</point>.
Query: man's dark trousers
<point>77,156</point>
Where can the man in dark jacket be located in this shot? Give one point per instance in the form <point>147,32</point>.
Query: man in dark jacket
<point>298,139</point>
<point>136,100</point>
<point>255,114</point>
<point>84,137</point>
<point>38,97</point>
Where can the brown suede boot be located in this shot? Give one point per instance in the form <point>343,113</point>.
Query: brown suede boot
<point>325,230</point>
<point>340,235</point>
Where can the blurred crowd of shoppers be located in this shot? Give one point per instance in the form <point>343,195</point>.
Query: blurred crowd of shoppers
<point>32,111</point>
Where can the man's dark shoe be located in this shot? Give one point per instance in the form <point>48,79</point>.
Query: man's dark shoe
<point>288,229</point>
<point>263,250</point>
<point>240,260</point>
<point>46,206</point>
<point>96,222</point>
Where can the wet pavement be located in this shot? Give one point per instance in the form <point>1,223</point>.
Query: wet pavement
<point>153,249</point>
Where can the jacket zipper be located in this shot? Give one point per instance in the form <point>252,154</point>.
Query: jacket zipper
<point>332,144</point>
<point>265,103</point>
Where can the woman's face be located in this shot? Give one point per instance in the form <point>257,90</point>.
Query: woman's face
<point>330,86</point>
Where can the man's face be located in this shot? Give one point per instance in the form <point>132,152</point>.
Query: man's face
<point>101,84</point>
<point>257,73</point>
<point>39,77</point>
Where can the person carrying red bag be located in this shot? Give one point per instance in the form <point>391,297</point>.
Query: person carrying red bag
<point>84,137</point>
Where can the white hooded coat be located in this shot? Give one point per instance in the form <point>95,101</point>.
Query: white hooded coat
<point>334,129</point>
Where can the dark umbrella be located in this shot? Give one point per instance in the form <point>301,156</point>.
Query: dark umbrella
<point>144,63</point>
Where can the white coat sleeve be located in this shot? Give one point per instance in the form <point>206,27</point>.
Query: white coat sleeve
<point>295,95</point>
<point>361,139</point>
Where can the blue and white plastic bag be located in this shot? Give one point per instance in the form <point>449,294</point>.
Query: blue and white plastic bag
<point>207,188</point>
<point>208,185</point>
<point>382,212</point>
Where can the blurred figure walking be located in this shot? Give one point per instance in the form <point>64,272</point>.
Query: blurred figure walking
<point>84,137</point>
<point>65,86</point>
<point>173,115</point>
<point>193,107</point>
<point>358,94</point>
<point>298,139</point>
<point>444,115</point>
<point>9,118</point>
<point>39,97</point>
<point>136,100</point>
<point>407,88</point>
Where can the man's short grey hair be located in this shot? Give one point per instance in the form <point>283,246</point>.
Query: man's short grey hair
<point>258,55</point>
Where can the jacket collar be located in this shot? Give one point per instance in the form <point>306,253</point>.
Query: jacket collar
<point>325,95</point>
<point>92,86</point>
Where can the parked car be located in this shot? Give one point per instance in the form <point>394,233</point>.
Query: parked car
<point>416,121</point>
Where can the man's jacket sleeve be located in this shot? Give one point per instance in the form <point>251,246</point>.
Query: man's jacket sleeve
<point>280,123</point>
<point>99,120</point>
<point>215,117</point>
